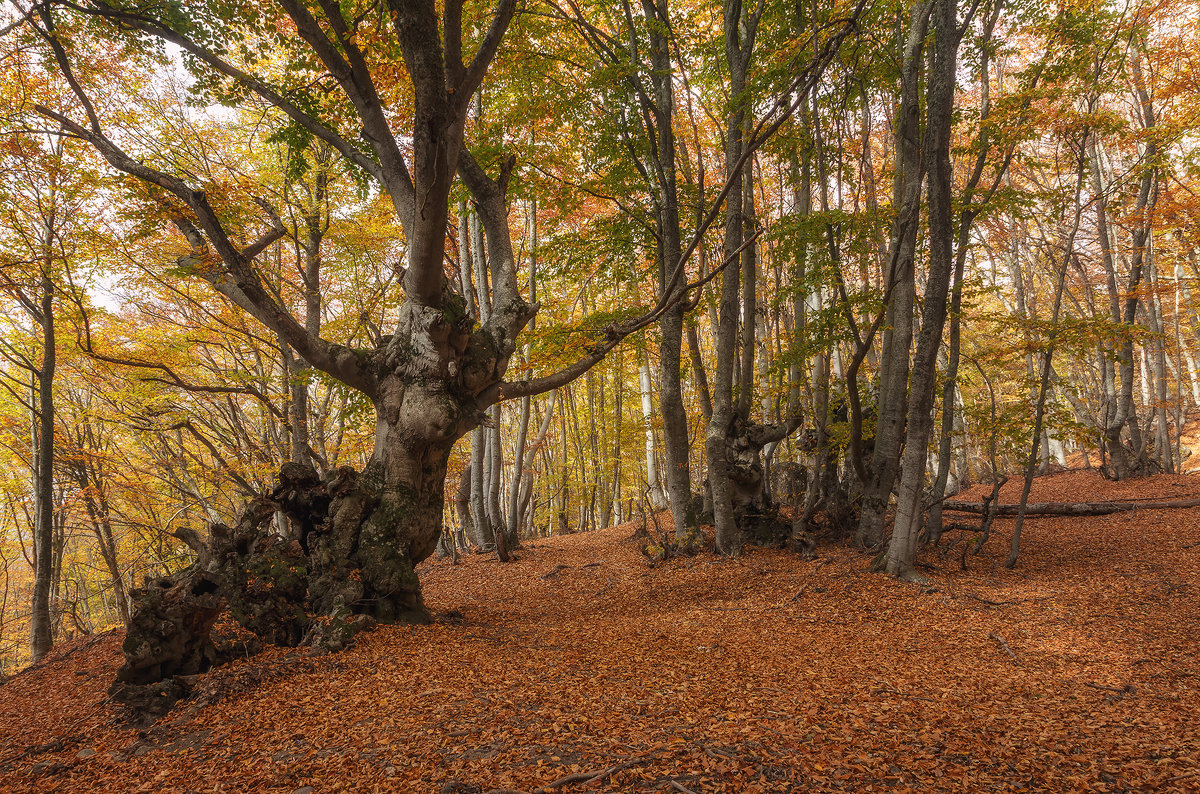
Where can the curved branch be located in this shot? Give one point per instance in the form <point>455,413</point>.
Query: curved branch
<point>309,122</point>
<point>238,281</point>
<point>613,336</point>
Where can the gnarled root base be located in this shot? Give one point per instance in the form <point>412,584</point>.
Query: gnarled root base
<point>347,568</point>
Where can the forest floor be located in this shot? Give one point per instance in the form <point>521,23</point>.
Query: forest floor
<point>1078,670</point>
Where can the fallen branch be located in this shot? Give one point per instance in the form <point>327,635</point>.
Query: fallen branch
<point>720,754</point>
<point>1071,508</point>
<point>989,601</point>
<point>554,571</point>
<point>1000,641</point>
<point>586,777</point>
<point>1181,777</point>
<point>961,526</point>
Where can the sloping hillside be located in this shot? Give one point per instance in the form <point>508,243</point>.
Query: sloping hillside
<point>767,673</point>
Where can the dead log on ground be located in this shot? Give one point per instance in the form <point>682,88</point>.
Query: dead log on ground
<point>1071,508</point>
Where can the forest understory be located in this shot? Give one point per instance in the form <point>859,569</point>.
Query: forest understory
<point>1076,671</point>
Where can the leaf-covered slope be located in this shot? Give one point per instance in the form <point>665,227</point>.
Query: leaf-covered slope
<point>1078,669</point>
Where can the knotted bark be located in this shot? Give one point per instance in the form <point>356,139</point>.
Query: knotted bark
<point>346,566</point>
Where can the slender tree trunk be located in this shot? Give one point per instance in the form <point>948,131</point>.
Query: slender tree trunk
<point>900,282</point>
<point>41,636</point>
<point>657,500</point>
<point>1048,362</point>
<point>909,508</point>
<point>520,469</point>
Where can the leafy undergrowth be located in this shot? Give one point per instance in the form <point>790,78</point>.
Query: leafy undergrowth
<point>1077,670</point>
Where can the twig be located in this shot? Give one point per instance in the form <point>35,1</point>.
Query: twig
<point>681,788</point>
<point>554,571</point>
<point>988,600</point>
<point>1182,777</point>
<point>1000,641</point>
<point>586,777</point>
<point>1125,690</point>
<point>719,754</point>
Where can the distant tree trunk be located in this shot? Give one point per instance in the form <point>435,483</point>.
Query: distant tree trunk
<point>482,537</point>
<point>95,502</point>
<point>519,466</point>
<point>701,375</point>
<point>538,442</point>
<point>657,501</point>
<point>1047,360</point>
<point>315,224</point>
<point>462,507</point>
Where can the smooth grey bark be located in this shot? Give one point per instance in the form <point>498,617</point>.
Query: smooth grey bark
<point>538,443</point>
<point>1158,365</point>
<point>740,27</point>
<point>658,110</point>
<point>919,425</point>
<point>519,465</point>
<point>41,636</point>
<point>970,207</point>
<point>900,287</point>
<point>1130,461</point>
<point>462,508</point>
<point>749,265</point>
<point>728,536</point>
<point>698,370</point>
<point>308,233</point>
<point>657,498</point>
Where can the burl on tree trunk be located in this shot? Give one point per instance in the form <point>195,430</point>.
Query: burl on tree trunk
<point>347,567</point>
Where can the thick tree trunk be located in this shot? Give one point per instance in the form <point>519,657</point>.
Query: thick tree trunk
<point>675,429</point>
<point>740,27</point>
<point>716,442</point>
<point>1130,461</point>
